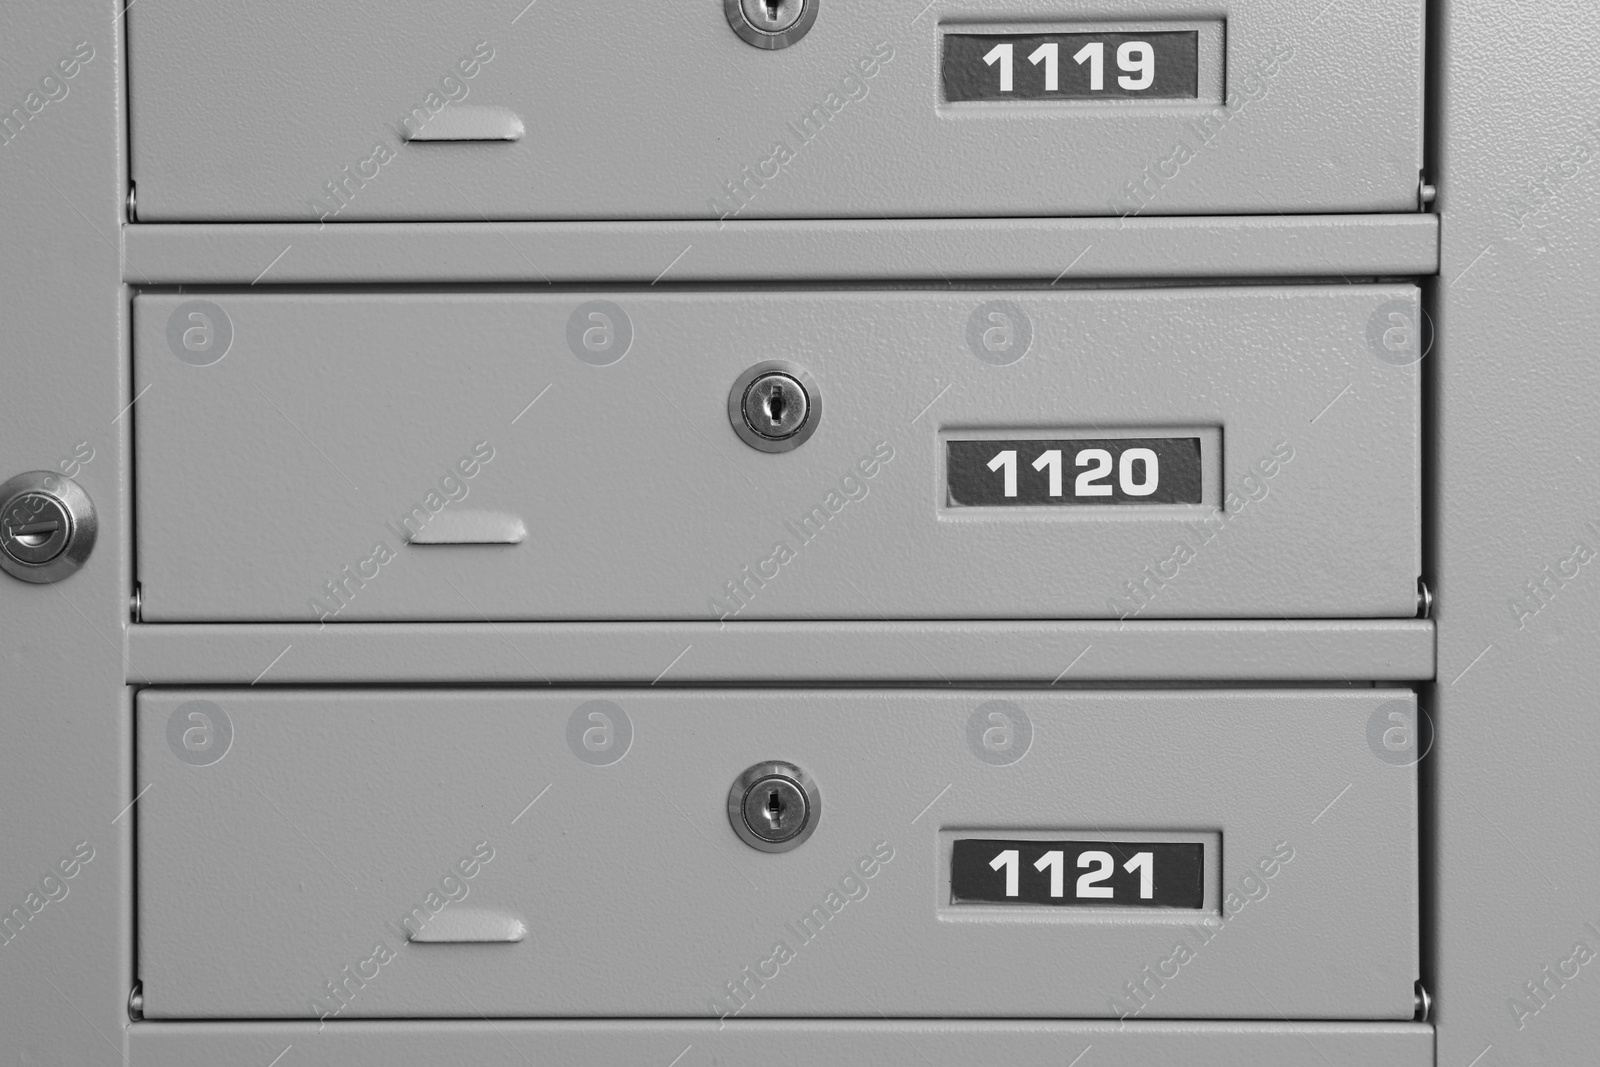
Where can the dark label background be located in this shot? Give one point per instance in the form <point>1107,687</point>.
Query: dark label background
<point>971,483</point>
<point>968,77</point>
<point>1179,880</point>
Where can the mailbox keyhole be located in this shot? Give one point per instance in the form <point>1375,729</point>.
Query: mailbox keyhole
<point>775,406</point>
<point>774,810</point>
<point>770,23</point>
<point>35,534</point>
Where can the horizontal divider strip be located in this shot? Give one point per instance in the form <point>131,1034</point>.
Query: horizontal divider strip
<point>841,1043</point>
<point>849,250</point>
<point>764,653</point>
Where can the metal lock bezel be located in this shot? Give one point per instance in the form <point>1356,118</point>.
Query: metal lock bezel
<point>750,34</point>
<point>760,772</point>
<point>80,516</point>
<point>747,433</point>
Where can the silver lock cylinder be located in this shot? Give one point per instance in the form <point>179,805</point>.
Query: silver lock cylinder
<point>47,526</point>
<point>770,24</point>
<point>774,806</point>
<point>775,406</point>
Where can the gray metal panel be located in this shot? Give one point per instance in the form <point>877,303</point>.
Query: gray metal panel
<point>760,653</point>
<point>1274,246</point>
<point>265,873</point>
<point>639,111</point>
<point>270,476</point>
<point>66,942</point>
<point>1518,796</point>
<point>513,1043</point>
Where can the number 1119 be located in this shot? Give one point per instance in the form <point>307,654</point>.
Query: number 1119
<point>1136,60</point>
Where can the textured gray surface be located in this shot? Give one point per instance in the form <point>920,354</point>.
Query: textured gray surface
<point>1518,796</point>
<point>269,480</point>
<point>1513,775</point>
<point>634,110</point>
<point>66,967</point>
<point>334,812</point>
<point>782,1044</point>
<point>756,653</point>
<point>1054,250</point>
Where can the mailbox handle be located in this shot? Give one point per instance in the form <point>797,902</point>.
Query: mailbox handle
<point>469,122</point>
<point>455,925</point>
<point>469,527</point>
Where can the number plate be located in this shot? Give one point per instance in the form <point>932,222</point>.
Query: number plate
<point>1071,66</point>
<point>1119,470</point>
<point>1128,874</point>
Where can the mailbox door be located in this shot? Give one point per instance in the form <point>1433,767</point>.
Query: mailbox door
<point>388,853</point>
<point>462,456</point>
<point>302,111</point>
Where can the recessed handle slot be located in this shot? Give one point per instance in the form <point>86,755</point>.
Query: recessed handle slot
<point>454,925</point>
<point>469,122</point>
<point>470,527</point>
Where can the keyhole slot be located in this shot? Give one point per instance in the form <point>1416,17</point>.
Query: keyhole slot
<point>771,23</point>
<point>775,407</point>
<point>774,810</point>
<point>35,534</point>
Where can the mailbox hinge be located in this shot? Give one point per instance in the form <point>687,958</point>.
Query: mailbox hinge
<point>1427,192</point>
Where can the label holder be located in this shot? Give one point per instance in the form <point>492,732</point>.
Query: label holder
<point>1211,466</point>
<point>1211,62</point>
<point>1210,901</point>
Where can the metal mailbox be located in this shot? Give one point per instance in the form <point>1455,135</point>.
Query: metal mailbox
<point>1245,452</point>
<point>468,109</point>
<point>364,853</point>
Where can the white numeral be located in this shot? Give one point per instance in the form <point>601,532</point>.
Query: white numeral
<point>1087,483</point>
<point>1002,54</point>
<point>1152,472</point>
<point>1138,471</point>
<point>1008,460</point>
<point>1145,64</point>
<point>1052,460</point>
<point>1052,80</point>
<point>1095,53</point>
<point>1088,884</point>
<point>1008,859</point>
<point>1057,865</point>
<point>1144,863</point>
